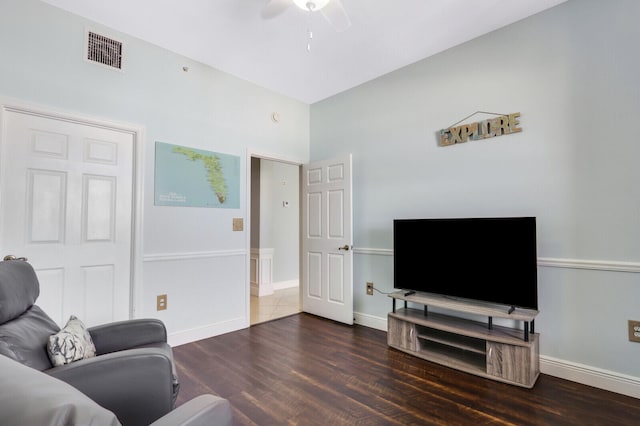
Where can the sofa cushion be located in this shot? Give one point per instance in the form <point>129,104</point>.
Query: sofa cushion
<point>29,397</point>
<point>71,343</point>
<point>19,289</point>
<point>25,338</point>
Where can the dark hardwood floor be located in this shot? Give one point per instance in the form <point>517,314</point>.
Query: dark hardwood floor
<point>305,370</point>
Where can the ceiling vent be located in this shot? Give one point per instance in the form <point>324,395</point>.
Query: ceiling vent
<point>104,50</point>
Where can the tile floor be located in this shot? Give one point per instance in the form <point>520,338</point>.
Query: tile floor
<point>277,305</point>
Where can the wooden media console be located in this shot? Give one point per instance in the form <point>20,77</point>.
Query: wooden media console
<point>506,354</point>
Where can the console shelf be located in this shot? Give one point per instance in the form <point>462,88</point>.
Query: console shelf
<point>501,353</point>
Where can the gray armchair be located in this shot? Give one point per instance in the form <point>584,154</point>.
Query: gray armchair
<point>29,397</point>
<point>132,374</point>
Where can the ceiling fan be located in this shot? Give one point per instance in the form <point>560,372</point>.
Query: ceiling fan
<point>332,10</point>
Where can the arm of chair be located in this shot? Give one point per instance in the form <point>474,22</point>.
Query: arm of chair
<point>121,335</point>
<point>30,397</point>
<point>203,410</point>
<point>136,384</point>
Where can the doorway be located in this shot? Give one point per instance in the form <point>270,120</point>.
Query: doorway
<point>275,239</point>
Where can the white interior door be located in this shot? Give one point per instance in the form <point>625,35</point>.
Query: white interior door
<point>66,205</point>
<point>327,258</point>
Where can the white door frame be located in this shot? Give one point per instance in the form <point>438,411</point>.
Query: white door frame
<point>136,307</point>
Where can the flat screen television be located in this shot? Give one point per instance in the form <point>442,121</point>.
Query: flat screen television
<point>487,259</point>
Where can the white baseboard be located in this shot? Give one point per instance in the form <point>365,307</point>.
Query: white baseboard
<point>591,376</point>
<point>268,289</point>
<point>579,373</point>
<point>261,290</point>
<point>211,330</point>
<point>281,285</point>
<point>370,321</point>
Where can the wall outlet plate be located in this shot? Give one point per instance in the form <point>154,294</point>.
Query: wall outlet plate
<point>370,288</point>
<point>161,302</point>
<point>634,331</point>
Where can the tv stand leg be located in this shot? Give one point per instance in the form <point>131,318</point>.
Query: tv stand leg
<point>426,311</point>
<point>526,331</point>
<point>531,327</point>
<point>490,324</point>
<point>394,306</point>
<point>405,304</point>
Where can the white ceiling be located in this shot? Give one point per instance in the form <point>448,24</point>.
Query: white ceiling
<point>231,35</point>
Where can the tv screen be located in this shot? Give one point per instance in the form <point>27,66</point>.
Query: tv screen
<point>488,259</point>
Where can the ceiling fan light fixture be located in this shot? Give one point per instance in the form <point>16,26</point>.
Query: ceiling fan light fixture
<point>311,5</point>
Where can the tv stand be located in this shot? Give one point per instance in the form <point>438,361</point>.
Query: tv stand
<point>500,353</point>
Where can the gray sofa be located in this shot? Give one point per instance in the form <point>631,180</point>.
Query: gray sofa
<point>31,398</point>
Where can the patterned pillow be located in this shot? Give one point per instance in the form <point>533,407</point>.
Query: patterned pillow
<point>71,343</point>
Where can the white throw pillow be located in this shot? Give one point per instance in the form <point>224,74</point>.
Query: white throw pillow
<point>71,343</point>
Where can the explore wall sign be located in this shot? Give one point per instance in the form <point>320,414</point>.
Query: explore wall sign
<point>492,127</point>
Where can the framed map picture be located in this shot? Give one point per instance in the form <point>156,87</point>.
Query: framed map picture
<point>195,178</point>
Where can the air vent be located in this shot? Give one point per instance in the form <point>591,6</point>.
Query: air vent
<point>104,50</point>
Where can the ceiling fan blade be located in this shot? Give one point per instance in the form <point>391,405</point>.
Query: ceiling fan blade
<point>275,8</point>
<point>336,15</point>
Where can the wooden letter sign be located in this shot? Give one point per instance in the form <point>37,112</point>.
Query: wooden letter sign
<point>501,125</point>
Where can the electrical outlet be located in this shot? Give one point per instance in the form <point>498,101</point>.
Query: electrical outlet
<point>634,331</point>
<point>370,288</point>
<point>161,302</point>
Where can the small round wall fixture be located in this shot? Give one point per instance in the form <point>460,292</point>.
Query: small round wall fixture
<point>311,5</point>
<point>275,117</point>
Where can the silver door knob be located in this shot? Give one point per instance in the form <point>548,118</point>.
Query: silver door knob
<point>344,247</point>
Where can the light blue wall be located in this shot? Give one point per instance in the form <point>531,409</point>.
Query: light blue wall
<point>190,253</point>
<point>574,74</point>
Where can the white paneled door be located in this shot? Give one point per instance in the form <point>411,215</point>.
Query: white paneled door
<point>67,189</point>
<point>327,257</point>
